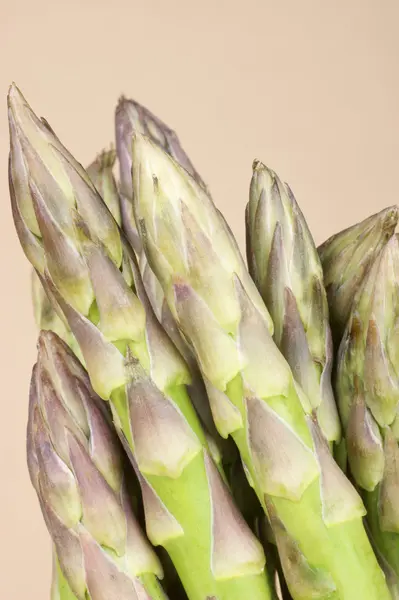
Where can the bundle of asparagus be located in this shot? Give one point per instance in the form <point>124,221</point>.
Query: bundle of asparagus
<point>177,391</point>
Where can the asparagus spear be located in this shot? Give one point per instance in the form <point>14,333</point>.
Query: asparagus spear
<point>73,241</point>
<point>368,395</point>
<point>346,257</point>
<point>286,269</point>
<point>76,466</point>
<point>315,513</point>
<point>130,117</point>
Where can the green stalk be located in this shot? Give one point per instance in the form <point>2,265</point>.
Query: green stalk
<point>367,386</point>
<point>76,465</point>
<point>315,513</point>
<point>130,117</point>
<point>286,269</point>
<point>72,240</point>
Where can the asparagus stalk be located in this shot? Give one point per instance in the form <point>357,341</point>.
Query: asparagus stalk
<point>76,466</point>
<point>129,118</point>
<point>346,258</point>
<point>315,513</point>
<point>286,269</point>
<point>73,241</point>
<point>367,386</point>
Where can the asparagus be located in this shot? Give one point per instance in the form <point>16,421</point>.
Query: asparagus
<point>367,385</point>
<point>315,513</point>
<point>130,117</point>
<point>346,258</point>
<point>76,467</point>
<point>71,238</point>
<point>286,269</point>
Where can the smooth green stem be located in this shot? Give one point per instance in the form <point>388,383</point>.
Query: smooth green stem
<point>187,498</point>
<point>343,550</point>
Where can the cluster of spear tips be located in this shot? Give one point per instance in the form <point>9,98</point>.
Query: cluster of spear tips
<point>201,428</point>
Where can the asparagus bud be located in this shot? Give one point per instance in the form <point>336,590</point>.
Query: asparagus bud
<point>346,258</point>
<point>129,118</point>
<point>285,266</point>
<point>368,395</point>
<point>76,466</point>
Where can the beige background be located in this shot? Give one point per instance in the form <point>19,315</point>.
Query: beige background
<point>311,88</point>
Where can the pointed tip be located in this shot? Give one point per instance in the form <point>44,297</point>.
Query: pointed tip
<point>121,105</point>
<point>259,166</point>
<point>388,218</point>
<point>49,338</point>
<point>13,91</point>
<point>44,342</point>
<point>124,102</point>
<point>390,214</point>
<point>266,177</point>
<point>124,110</point>
<point>15,98</point>
<point>50,346</point>
<point>290,303</point>
<point>104,160</point>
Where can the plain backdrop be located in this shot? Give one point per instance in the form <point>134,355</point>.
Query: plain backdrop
<point>311,88</point>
